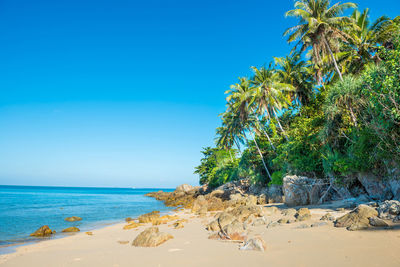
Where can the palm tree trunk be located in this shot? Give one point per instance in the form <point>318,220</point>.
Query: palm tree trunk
<point>353,117</point>
<point>269,139</point>
<point>230,154</point>
<point>333,58</point>
<point>261,156</point>
<point>279,124</point>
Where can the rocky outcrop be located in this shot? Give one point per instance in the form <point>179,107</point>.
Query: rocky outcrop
<point>131,225</point>
<point>149,217</point>
<point>43,231</point>
<point>185,188</point>
<point>255,243</point>
<point>394,185</point>
<point>199,204</point>
<point>377,222</point>
<point>71,230</point>
<point>357,219</point>
<point>327,217</point>
<point>73,219</point>
<point>151,237</point>
<point>376,187</point>
<point>299,190</point>
<point>389,209</point>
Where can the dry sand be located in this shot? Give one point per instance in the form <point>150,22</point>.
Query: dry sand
<point>287,245</point>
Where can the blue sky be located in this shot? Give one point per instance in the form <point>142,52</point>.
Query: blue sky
<point>125,93</point>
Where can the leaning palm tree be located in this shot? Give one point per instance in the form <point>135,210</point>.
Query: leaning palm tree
<point>240,102</point>
<point>270,93</point>
<point>295,71</point>
<point>320,28</point>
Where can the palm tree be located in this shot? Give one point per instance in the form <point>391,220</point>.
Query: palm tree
<point>320,28</point>
<point>240,101</point>
<point>295,71</point>
<point>270,93</point>
<point>365,39</point>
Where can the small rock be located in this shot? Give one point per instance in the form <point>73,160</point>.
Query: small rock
<point>123,242</point>
<point>303,226</point>
<point>377,222</point>
<point>327,217</point>
<point>73,219</point>
<point>71,230</point>
<point>318,224</point>
<point>256,243</point>
<point>283,220</point>
<point>289,212</point>
<point>149,217</point>
<point>132,225</point>
<point>303,214</point>
<point>43,231</point>
<point>89,233</point>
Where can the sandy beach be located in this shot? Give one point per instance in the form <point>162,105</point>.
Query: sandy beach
<point>287,245</point>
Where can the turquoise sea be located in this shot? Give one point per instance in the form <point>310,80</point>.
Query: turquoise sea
<point>23,209</point>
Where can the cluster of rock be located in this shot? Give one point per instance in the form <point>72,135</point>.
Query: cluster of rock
<point>45,231</point>
<point>364,216</point>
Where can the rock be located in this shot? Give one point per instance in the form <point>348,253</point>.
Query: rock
<point>299,190</point>
<point>151,237</point>
<point>234,227</point>
<point>394,185</point>
<point>224,219</point>
<point>235,187</point>
<point>89,233</point>
<point>274,194</point>
<point>200,204</point>
<point>123,242</point>
<point>184,188</point>
<point>215,204</point>
<point>243,212</point>
<point>303,214</point>
<point>272,224</point>
<point>268,211</point>
<point>283,220</point>
<point>132,225</point>
<point>261,199</point>
<point>217,193</point>
<point>357,219</point>
<point>149,217</point>
<point>43,231</point>
<point>213,226</point>
<point>128,219</point>
<point>318,224</point>
<point>389,209</point>
<point>327,217</point>
<point>71,229</point>
<point>375,186</point>
<point>303,226</point>
<point>73,219</point>
<point>377,222</point>
<point>251,200</point>
<point>256,243</point>
<point>289,212</point>
<point>178,225</point>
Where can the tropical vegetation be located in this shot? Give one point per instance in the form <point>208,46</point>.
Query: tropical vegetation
<point>329,109</point>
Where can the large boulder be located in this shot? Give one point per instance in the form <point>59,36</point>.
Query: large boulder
<point>151,237</point>
<point>357,219</point>
<point>273,194</point>
<point>376,187</point>
<point>199,203</point>
<point>73,219</point>
<point>224,219</point>
<point>241,213</point>
<point>185,188</point>
<point>389,209</point>
<point>299,190</point>
<point>43,231</point>
<point>394,185</point>
<point>235,187</point>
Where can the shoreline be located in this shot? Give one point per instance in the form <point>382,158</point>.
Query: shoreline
<point>312,246</point>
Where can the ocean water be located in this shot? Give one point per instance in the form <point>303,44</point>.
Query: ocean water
<point>23,209</point>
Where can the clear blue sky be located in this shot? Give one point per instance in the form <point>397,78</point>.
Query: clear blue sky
<point>125,93</point>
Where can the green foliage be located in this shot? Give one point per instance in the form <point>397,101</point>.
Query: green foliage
<point>333,114</point>
<point>276,178</point>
